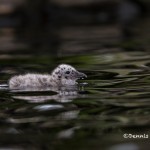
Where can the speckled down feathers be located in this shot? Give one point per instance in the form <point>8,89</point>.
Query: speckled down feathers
<point>62,75</point>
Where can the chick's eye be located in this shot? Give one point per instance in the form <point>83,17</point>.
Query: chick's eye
<point>67,72</point>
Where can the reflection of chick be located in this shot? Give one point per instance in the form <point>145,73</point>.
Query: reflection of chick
<point>61,76</point>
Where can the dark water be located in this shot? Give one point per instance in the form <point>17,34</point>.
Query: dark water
<point>116,101</point>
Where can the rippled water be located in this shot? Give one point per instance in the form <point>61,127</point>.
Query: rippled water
<point>114,100</point>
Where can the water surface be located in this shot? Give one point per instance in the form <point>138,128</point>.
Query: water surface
<point>111,102</point>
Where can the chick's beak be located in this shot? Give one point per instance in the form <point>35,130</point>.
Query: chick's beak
<point>81,75</point>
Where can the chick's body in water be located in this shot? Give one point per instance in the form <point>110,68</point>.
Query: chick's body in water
<point>63,75</point>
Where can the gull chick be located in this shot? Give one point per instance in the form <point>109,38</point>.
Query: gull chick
<point>62,75</point>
